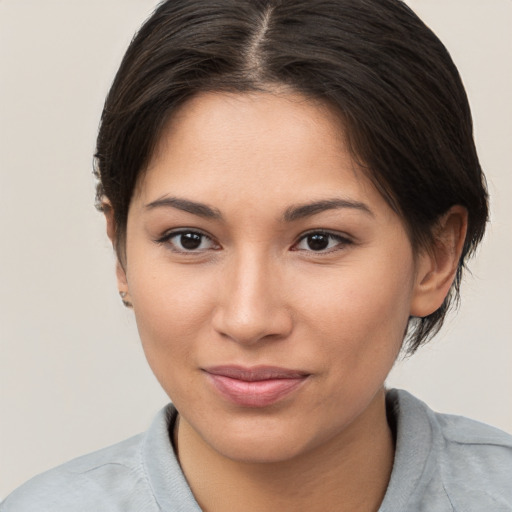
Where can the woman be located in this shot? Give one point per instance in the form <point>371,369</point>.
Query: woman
<point>292,191</point>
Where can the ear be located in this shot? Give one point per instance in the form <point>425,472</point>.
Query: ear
<point>122,282</point>
<point>437,265</point>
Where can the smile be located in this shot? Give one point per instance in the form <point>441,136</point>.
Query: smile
<point>254,387</point>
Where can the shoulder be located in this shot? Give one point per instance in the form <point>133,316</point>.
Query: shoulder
<point>483,450</point>
<point>122,477</point>
<point>140,474</point>
<point>465,463</point>
<point>99,481</point>
<point>475,462</point>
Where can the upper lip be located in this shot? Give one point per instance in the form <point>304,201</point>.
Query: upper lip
<point>255,373</point>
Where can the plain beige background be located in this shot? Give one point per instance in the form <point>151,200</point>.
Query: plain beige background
<point>72,375</point>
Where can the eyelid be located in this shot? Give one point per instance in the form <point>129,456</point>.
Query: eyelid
<point>171,233</point>
<point>177,231</point>
<point>343,239</point>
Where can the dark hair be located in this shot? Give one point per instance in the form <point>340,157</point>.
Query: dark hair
<point>393,82</point>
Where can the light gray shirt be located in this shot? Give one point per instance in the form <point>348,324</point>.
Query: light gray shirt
<point>442,463</point>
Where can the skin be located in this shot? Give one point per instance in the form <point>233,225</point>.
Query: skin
<point>255,293</point>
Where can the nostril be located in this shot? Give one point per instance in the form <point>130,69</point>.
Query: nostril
<point>253,327</point>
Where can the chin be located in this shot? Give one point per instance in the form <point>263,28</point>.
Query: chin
<point>264,439</point>
<point>259,449</point>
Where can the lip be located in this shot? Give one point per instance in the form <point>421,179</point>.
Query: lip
<point>258,386</point>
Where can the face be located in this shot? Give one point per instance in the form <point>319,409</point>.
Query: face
<point>271,282</point>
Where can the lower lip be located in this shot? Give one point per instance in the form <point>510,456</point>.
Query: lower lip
<point>260,393</point>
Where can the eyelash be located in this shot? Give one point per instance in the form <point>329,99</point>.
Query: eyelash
<point>342,241</point>
<point>167,237</point>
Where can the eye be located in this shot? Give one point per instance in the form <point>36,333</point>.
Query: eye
<point>321,241</point>
<point>188,241</point>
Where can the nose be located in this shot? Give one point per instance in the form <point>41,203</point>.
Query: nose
<point>252,304</point>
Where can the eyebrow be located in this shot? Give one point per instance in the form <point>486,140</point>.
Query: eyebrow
<point>306,210</point>
<point>291,214</point>
<point>200,209</point>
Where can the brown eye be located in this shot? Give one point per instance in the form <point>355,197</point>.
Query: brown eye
<point>321,242</point>
<point>190,241</point>
<point>317,242</point>
<point>187,241</point>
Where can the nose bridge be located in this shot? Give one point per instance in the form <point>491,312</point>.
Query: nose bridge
<point>251,305</point>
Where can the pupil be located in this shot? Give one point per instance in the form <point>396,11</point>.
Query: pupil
<point>318,242</point>
<point>190,240</point>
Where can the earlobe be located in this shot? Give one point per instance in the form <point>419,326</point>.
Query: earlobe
<point>122,282</point>
<point>437,266</point>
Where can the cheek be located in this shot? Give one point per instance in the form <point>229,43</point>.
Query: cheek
<point>359,331</point>
<point>172,309</point>
<point>361,314</point>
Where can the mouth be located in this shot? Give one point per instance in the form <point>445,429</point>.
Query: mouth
<point>259,386</point>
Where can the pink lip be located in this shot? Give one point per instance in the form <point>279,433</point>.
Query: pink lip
<point>255,387</point>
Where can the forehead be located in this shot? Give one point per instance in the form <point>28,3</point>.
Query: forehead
<point>278,148</point>
<point>228,121</point>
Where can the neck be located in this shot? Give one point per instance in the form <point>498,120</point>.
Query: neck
<point>350,472</point>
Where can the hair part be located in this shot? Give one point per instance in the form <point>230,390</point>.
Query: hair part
<point>399,95</point>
